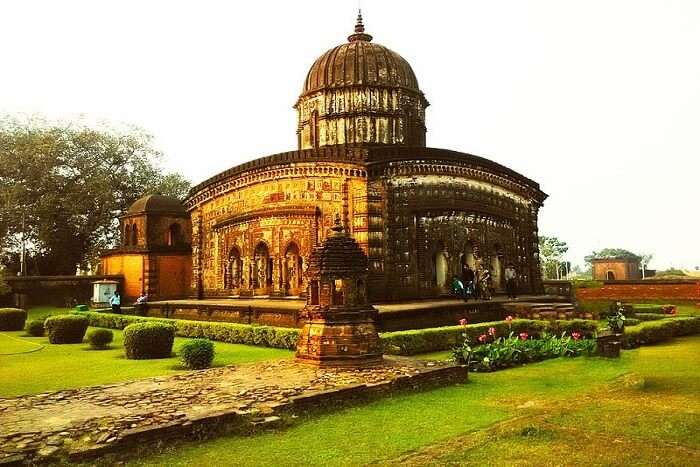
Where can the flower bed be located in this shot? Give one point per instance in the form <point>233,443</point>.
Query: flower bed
<point>497,353</point>
<point>445,338</point>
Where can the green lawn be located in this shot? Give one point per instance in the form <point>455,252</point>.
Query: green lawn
<point>65,366</point>
<point>583,411</point>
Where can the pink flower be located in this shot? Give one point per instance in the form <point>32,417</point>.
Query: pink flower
<point>576,335</point>
<point>509,319</point>
<point>463,322</point>
<point>482,338</point>
<point>492,332</point>
<point>524,335</point>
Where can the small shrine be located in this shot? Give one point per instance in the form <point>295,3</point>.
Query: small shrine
<point>339,327</point>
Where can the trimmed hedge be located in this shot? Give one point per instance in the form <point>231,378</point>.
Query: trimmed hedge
<point>100,338</point>
<point>12,319</point>
<point>647,308</point>
<point>234,333</point>
<point>149,340</point>
<point>66,329</point>
<point>197,354</point>
<point>36,328</point>
<point>651,316</point>
<point>417,341</point>
<point>651,332</point>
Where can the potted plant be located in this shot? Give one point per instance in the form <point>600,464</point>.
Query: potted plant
<point>609,341</point>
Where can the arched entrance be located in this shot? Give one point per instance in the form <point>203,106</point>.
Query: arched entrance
<point>174,235</point>
<point>261,274</point>
<point>610,276</point>
<point>292,270</point>
<point>234,270</point>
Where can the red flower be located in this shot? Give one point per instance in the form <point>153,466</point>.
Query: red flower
<point>492,332</point>
<point>509,318</point>
<point>483,337</point>
<point>463,322</point>
<point>576,335</point>
<point>524,335</point>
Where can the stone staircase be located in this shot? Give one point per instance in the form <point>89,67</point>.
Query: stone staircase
<point>546,311</point>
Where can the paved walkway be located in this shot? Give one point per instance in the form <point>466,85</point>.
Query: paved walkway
<point>47,424</point>
<point>297,304</point>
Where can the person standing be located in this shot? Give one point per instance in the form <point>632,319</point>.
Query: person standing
<point>468,280</point>
<point>511,281</point>
<point>116,301</point>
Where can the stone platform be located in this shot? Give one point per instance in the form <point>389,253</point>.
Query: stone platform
<point>79,424</point>
<point>393,316</point>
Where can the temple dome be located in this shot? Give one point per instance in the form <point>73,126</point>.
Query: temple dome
<point>360,63</point>
<point>157,204</point>
<point>360,93</point>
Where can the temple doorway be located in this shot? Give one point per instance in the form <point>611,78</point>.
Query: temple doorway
<point>610,276</point>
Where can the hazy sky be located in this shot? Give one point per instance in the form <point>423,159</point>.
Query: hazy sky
<point>598,101</point>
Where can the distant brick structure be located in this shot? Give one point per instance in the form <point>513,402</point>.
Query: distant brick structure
<point>650,289</point>
<point>616,269</point>
<point>155,252</point>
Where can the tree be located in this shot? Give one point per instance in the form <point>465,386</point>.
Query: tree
<point>552,252</point>
<point>70,183</point>
<point>644,262</point>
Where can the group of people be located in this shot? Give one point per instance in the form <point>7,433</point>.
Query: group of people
<point>115,301</point>
<point>478,283</point>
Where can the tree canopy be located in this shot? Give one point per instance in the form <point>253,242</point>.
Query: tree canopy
<point>613,253</point>
<point>67,183</point>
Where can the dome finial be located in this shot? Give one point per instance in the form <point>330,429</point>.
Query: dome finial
<point>359,30</point>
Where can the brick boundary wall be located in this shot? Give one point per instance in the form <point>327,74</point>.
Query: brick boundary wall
<point>687,290</point>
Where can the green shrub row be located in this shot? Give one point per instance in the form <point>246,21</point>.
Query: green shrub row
<point>234,333</point>
<point>12,319</point>
<point>650,316</point>
<point>651,332</point>
<point>632,321</point>
<point>647,308</point>
<point>417,341</point>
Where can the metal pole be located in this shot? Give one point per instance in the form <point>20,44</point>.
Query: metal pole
<point>23,251</point>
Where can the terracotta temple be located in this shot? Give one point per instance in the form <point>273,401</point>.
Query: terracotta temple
<point>419,214</point>
<point>339,327</point>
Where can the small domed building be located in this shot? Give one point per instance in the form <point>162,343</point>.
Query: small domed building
<point>155,254</point>
<point>420,214</point>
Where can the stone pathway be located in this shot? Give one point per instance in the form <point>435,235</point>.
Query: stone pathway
<point>49,424</point>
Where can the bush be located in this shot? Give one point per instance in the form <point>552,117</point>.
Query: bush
<point>234,333</point>
<point>36,328</point>
<point>66,329</point>
<point>149,340</point>
<point>197,353</point>
<point>100,338</point>
<point>12,319</point>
